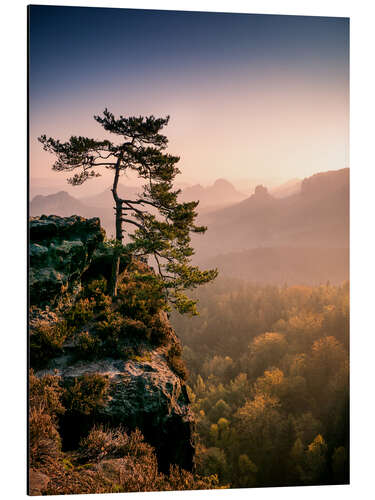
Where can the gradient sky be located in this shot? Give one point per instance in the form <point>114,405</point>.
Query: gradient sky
<point>250,96</point>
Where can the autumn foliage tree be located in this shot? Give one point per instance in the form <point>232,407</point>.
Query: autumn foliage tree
<point>162,225</point>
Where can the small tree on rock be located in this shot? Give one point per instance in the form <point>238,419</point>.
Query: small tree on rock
<point>162,224</point>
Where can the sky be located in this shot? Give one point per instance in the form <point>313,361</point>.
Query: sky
<point>250,96</point>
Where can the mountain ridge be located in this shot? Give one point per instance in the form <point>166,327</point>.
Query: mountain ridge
<point>318,216</point>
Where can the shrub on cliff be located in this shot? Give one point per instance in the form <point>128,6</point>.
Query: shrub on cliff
<point>135,319</point>
<point>96,291</point>
<point>140,291</point>
<point>116,328</point>
<point>80,313</point>
<point>87,346</point>
<point>46,392</point>
<point>46,341</point>
<point>86,393</point>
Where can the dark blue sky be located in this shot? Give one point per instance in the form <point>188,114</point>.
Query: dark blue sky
<point>283,80</point>
<point>70,46</point>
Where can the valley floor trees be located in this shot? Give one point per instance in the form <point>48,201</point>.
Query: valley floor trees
<point>269,381</point>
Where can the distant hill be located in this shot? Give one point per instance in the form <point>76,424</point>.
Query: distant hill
<point>65,205</point>
<point>286,189</point>
<point>105,198</point>
<point>61,203</point>
<point>317,216</point>
<point>57,183</point>
<point>222,193</point>
<point>280,265</point>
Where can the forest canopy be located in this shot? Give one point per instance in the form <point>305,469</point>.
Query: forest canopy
<point>271,399</point>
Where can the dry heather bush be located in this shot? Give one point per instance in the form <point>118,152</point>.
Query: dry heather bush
<point>126,474</point>
<point>130,475</point>
<point>46,392</point>
<point>108,476</point>
<point>113,443</point>
<point>44,439</point>
<point>88,346</point>
<point>80,313</point>
<point>45,404</point>
<point>96,291</point>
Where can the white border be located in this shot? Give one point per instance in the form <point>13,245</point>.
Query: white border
<point>13,243</point>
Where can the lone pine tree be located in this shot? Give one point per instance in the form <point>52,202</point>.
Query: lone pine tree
<point>162,224</point>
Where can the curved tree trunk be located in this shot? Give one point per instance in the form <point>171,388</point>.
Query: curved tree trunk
<point>116,255</point>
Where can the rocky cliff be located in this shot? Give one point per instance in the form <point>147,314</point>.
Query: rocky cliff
<point>117,361</point>
<point>61,249</point>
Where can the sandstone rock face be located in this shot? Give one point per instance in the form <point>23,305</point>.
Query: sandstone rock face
<point>61,249</point>
<point>144,394</point>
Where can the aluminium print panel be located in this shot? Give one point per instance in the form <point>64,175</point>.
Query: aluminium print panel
<point>188,250</point>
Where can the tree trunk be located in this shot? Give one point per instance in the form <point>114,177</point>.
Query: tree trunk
<point>116,254</point>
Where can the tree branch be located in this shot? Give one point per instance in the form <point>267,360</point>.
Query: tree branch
<point>99,164</point>
<point>139,202</point>
<point>134,223</point>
